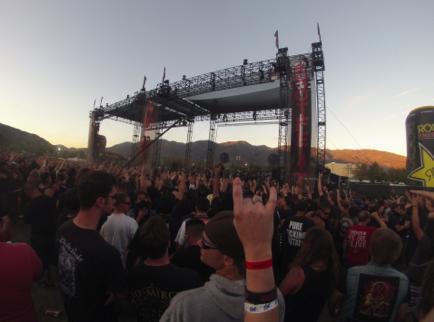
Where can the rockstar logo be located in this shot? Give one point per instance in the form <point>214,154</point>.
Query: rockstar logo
<point>425,173</point>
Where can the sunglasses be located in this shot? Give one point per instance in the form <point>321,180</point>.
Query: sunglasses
<point>206,245</point>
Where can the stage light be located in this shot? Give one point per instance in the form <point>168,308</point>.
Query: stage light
<point>184,77</point>
<point>245,61</point>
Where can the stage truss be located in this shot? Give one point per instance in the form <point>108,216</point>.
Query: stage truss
<point>174,102</point>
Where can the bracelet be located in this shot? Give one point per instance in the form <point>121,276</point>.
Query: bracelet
<point>261,308</point>
<point>260,298</point>
<point>259,265</point>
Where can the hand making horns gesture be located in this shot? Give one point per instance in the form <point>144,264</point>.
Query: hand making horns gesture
<point>254,223</point>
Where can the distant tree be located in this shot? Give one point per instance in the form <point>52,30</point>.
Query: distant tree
<point>397,174</point>
<point>39,151</point>
<point>81,154</point>
<point>360,171</point>
<point>254,167</point>
<point>23,145</point>
<point>376,173</point>
<point>14,148</point>
<point>64,154</point>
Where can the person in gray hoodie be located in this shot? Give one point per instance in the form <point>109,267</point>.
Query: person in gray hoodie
<point>222,298</point>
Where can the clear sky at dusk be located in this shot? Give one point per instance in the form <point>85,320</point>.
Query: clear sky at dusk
<point>56,57</point>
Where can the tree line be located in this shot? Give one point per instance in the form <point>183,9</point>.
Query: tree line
<point>374,173</point>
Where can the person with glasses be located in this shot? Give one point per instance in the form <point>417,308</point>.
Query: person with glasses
<point>222,298</point>
<point>119,229</point>
<point>90,270</point>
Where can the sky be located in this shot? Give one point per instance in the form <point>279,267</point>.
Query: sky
<point>57,57</point>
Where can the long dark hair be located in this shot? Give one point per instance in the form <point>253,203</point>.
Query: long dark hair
<point>318,246</point>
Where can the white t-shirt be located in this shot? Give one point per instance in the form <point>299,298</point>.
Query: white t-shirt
<point>118,231</point>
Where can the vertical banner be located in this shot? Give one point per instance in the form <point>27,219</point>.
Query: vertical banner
<point>301,126</point>
<point>420,146</point>
<point>150,119</point>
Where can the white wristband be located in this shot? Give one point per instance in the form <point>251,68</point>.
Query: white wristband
<point>260,308</point>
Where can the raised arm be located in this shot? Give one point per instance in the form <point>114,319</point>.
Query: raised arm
<point>320,193</point>
<point>216,187</point>
<point>254,225</point>
<point>415,216</point>
<point>380,221</point>
<point>309,193</point>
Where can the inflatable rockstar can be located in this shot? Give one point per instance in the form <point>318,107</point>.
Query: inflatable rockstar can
<point>420,146</point>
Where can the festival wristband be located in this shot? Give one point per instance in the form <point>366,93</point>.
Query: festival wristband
<point>260,298</point>
<point>259,265</point>
<point>261,308</point>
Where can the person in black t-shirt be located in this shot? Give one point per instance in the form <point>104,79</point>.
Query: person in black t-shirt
<point>39,214</point>
<point>165,207</point>
<point>313,273</point>
<point>154,282</point>
<point>295,228</point>
<point>90,270</point>
<point>190,256</point>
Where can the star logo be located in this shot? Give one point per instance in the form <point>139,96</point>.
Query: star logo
<point>425,173</point>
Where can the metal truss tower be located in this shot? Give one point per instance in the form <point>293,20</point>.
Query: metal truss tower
<point>283,66</point>
<point>211,141</point>
<point>188,145</point>
<point>137,133</point>
<point>157,149</point>
<point>319,67</point>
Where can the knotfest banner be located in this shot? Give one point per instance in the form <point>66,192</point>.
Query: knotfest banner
<point>301,167</point>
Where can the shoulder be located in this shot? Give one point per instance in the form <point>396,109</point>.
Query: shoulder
<point>188,296</point>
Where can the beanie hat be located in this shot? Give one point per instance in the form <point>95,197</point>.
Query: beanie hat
<point>220,230</point>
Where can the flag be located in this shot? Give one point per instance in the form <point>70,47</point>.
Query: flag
<point>319,34</point>
<point>144,82</point>
<point>94,102</point>
<point>102,97</point>
<point>276,34</point>
<point>164,73</point>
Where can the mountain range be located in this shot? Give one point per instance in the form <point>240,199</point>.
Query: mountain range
<point>256,154</point>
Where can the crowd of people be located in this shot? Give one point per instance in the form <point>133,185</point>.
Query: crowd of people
<point>210,246</point>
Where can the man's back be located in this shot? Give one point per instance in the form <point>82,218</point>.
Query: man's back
<point>358,237</point>
<point>296,227</point>
<point>153,287</point>
<point>88,267</point>
<point>39,213</point>
<point>190,258</point>
<point>373,293</point>
<point>118,231</point>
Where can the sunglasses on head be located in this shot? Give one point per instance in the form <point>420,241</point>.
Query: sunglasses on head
<point>206,245</point>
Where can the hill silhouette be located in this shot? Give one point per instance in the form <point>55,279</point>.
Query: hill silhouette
<point>256,154</point>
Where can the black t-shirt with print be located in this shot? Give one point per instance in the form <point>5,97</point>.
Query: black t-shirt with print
<point>88,267</point>
<point>296,227</point>
<point>153,287</point>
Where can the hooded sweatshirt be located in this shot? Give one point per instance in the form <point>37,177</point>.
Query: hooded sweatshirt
<point>219,300</point>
